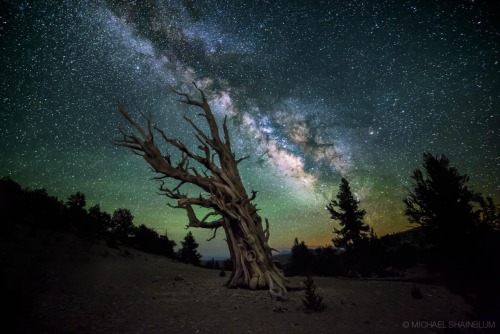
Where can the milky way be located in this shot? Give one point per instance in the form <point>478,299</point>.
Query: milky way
<point>314,91</point>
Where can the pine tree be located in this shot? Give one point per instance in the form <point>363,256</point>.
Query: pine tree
<point>77,215</point>
<point>301,260</point>
<point>166,246</point>
<point>441,202</point>
<point>313,302</point>
<point>76,200</point>
<point>101,219</point>
<point>189,253</point>
<point>122,224</point>
<point>345,210</point>
<point>490,212</point>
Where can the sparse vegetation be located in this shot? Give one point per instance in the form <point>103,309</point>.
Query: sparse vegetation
<point>189,251</point>
<point>312,302</point>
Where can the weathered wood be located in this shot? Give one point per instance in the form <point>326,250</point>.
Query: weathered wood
<point>224,194</point>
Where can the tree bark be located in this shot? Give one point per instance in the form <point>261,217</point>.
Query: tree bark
<point>251,255</point>
<point>223,190</point>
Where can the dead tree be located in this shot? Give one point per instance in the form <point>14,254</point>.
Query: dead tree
<point>222,192</point>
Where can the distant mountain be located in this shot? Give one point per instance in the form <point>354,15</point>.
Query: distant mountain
<point>283,256</point>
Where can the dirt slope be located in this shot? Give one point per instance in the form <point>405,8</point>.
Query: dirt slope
<point>55,283</point>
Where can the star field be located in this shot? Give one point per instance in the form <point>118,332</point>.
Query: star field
<point>314,91</point>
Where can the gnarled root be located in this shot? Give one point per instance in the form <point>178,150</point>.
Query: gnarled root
<point>278,285</point>
<point>277,288</point>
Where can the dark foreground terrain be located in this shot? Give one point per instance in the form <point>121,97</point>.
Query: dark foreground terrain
<point>57,283</point>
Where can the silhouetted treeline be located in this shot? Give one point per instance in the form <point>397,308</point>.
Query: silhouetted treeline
<point>212,264</point>
<point>37,209</point>
<point>457,235</point>
<point>374,257</point>
<point>226,265</point>
<point>392,255</point>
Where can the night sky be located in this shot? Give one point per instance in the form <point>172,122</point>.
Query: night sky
<point>314,90</point>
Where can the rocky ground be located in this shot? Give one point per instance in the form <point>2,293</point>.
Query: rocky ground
<point>56,283</point>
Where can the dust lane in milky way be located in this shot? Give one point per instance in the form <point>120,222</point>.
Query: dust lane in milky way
<point>314,92</point>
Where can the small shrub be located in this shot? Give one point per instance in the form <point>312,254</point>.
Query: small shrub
<point>313,302</point>
<point>222,273</point>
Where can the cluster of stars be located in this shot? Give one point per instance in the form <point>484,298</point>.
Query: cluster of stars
<point>313,92</point>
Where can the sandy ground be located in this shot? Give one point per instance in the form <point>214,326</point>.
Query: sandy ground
<point>55,283</point>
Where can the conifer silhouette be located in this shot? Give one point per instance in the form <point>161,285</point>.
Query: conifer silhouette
<point>312,302</point>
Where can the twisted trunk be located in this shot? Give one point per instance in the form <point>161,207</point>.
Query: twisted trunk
<point>253,265</point>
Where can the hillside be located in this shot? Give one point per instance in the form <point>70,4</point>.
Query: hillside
<point>57,283</point>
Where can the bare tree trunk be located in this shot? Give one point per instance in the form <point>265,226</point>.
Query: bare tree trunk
<point>253,265</point>
<point>224,192</point>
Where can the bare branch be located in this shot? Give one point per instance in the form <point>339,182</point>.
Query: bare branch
<point>204,219</point>
<point>200,133</point>
<point>195,222</point>
<point>266,231</point>
<point>180,146</point>
<point>254,194</point>
<point>195,172</point>
<point>201,92</point>
<point>121,109</point>
<point>212,124</point>
<point>178,186</point>
<point>184,161</point>
<point>148,119</point>
<point>200,201</point>
<point>242,158</point>
<point>213,236</point>
<point>227,138</point>
<point>188,99</point>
